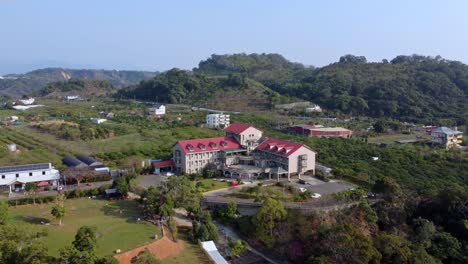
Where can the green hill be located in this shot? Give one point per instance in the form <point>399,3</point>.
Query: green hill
<point>32,82</point>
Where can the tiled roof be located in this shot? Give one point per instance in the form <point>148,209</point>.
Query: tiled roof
<point>238,128</point>
<point>163,163</point>
<point>208,144</point>
<point>279,146</point>
<point>446,130</point>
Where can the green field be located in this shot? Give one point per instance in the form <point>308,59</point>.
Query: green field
<point>391,138</point>
<point>116,223</point>
<point>210,185</point>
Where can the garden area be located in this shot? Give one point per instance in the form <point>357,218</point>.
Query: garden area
<point>116,222</point>
<point>281,192</point>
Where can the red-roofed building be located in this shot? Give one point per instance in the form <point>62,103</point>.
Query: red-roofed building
<point>192,156</point>
<point>243,152</point>
<point>245,134</point>
<point>295,158</point>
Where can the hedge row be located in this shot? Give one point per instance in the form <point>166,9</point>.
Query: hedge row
<point>68,194</point>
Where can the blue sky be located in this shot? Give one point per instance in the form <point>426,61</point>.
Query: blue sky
<point>159,35</point>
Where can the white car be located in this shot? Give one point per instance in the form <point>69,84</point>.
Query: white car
<point>302,189</point>
<point>315,195</point>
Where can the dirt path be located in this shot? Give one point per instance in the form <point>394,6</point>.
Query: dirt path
<point>161,249</point>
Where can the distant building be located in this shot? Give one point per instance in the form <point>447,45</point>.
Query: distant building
<point>313,109</point>
<point>157,110</point>
<point>28,101</point>
<point>446,136</point>
<point>11,147</point>
<point>98,121</point>
<point>320,131</point>
<point>72,97</point>
<point>14,178</point>
<point>217,120</point>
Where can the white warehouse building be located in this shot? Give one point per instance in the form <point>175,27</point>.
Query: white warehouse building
<point>15,178</point>
<point>217,120</point>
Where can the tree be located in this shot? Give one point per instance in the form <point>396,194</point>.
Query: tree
<point>172,228</point>
<point>76,174</point>
<point>272,211</point>
<point>237,247</point>
<point>58,211</point>
<point>445,247</point>
<point>231,210</point>
<point>394,249</point>
<point>346,244</point>
<point>388,187</point>
<point>31,188</point>
<point>4,214</point>
<point>85,239</point>
<point>21,244</point>
<point>121,185</point>
<point>83,248</point>
<point>424,231</point>
<point>145,257</point>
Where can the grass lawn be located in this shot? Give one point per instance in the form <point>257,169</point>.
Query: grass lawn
<point>273,191</point>
<point>191,253</point>
<point>210,185</point>
<point>116,223</point>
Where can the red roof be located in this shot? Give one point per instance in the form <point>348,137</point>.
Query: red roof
<point>163,163</point>
<point>238,128</point>
<point>208,144</point>
<point>42,184</point>
<point>279,146</point>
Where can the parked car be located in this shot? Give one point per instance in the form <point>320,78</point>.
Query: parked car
<point>302,189</point>
<point>301,181</point>
<point>168,174</point>
<point>315,195</point>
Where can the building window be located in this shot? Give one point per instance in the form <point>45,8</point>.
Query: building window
<point>43,172</point>
<point>3,176</point>
<point>17,175</point>
<point>30,174</point>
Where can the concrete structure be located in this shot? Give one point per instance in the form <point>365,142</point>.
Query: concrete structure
<point>212,252</point>
<point>16,177</point>
<point>28,101</point>
<point>72,97</point>
<point>217,120</point>
<point>446,136</point>
<point>98,121</point>
<point>320,131</point>
<point>244,153</point>
<point>313,109</point>
<point>157,110</point>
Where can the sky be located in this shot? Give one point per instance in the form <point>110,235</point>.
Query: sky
<point>158,35</point>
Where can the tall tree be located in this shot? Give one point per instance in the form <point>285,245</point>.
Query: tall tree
<point>145,257</point>
<point>31,189</point>
<point>272,211</point>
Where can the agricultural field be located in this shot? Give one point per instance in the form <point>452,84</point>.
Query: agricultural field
<point>116,223</point>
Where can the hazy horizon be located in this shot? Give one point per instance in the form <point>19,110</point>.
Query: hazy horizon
<point>159,35</point>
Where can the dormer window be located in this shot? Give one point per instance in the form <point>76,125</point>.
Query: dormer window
<point>202,146</point>
<point>213,145</point>
<point>189,147</point>
<point>223,144</point>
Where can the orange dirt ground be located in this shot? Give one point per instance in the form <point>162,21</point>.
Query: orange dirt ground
<point>161,249</point>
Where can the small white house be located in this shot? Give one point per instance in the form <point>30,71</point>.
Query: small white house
<point>315,108</point>
<point>28,101</point>
<point>157,110</point>
<point>217,120</point>
<point>15,178</point>
<point>98,121</point>
<point>11,147</point>
<point>72,97</point>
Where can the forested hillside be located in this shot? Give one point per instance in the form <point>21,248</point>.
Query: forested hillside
<point>227,92</point>
<point>81,87</point>
<point>23,84</point>
<point>407,87</point>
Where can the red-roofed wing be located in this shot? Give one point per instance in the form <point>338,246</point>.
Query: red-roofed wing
<point>208,144</point>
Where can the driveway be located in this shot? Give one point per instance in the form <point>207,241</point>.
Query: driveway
<point>147,180</point>
<point>318,186</point>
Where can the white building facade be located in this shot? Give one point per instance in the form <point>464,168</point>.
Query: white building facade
<point>217,120</point>
<point>15,178</point>
<point>157,110</point>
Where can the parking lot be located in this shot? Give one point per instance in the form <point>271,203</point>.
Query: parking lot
<point>317,186</point>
